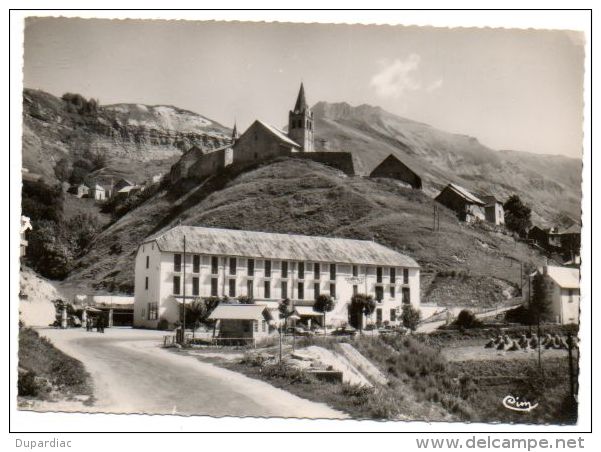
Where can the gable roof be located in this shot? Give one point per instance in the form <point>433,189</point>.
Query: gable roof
<point>225,311</point>
<point>490,199</point>
<point>277,133</point>
<point>266,245</point>
<point>564,277</point>
<point>392,160</point>
<point>465,194</point>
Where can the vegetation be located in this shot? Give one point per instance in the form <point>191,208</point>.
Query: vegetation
<point>466,320</point>
<point>362,305</point>
<point>79,104</point>
<point>45,372</point>
<point>517,215</point>
<point>324,304</point>
<point>410,317</point>
<point>540,299</point>
<point>199,310</point>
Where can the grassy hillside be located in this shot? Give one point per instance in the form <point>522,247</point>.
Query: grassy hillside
<point>550,185</point>
<point>295,196</point>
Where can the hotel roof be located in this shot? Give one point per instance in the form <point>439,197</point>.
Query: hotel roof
<point>267,245</point>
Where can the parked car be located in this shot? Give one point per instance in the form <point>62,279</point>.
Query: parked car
<point>344,331</point>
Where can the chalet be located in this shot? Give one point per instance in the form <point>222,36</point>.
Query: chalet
<point>468,207</point>
<point>562,287</point>
<point>493,210</point>
<point>97,192</point>
<point>392,168</point>
<point>25,228</point>
<point>567,240</point>
<point>122,183</point>
<point>268,268</point>
<point>242,321</point>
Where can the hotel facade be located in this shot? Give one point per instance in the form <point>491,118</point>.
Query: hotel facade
<point>268,268</point>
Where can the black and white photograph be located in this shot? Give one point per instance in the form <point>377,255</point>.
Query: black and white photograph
<point>284,220</point>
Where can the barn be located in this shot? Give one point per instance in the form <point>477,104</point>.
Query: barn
<point>392,168</point>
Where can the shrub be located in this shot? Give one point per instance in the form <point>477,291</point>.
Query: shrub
<point>467,319</point>
<point>521,314</point>
<point>26,383</point>
<point>410,317</point>
<point>163,324</point>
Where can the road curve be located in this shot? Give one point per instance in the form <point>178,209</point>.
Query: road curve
<point>132,374</point>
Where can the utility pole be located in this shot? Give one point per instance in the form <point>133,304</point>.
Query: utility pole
<point>184,300</point>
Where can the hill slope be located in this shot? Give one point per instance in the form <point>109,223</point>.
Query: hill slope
<point>297,196</point>
<point>551,185</point>
<point>137,141</point>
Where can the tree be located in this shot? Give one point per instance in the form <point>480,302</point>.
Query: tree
<point>324,304</point>
<point>198,311</point>
<point>62,170</point>
<point>245,299</point>
<point>540,300</point>
<point>517,215</point>
<point>49,250</point>
<point>467,319</point>
<point>362,305</point>
<point>410,317</point>
<point>285,309</point>
<point>83,228</point>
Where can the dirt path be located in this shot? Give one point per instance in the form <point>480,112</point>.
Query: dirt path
<point>131,374</point>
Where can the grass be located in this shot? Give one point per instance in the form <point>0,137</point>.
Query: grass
<point>47,373</point>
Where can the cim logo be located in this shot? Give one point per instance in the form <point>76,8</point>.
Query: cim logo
<point>515,404</point>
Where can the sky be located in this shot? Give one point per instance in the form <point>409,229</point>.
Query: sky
<point>512,89</point>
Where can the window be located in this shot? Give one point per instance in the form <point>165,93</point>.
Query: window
<point>301,291</point>
<point>176,285</point>
<point>284,269</point>
<point>406,295</point>
<point>147,261</point>
<point>316,290</point>
<point>392,292</point>
<point>249,288</point>
<point>355,271</point>
<point>195,286</point>
<point>153,311</point>
<point>379,275</point>
<point>301,270</point>
<point>355,289</point>
<point>332,272</point>
<point>379,293</point>
<point>316,271</point>
<point>393,315</point>
<point>284,289</point>
<point>250,268</point>
<point>255,326</point>
<point>214,265</point>
<point>405,276</point>
<point>379,316</point>
<point>232,287</point>
<point>196,263</point>
<point>264,326</point>
<point>392,275</point>
<point>570,295</point>
<point>214,285</point>
<point>268,269</point>
<point>267,289</point>
<point>333,290</point>
<point>232,265</point>
<point>146,283</point>
<point>177,262</point>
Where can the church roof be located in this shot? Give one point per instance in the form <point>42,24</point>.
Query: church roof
<point>301,103</point>
<point>278,133</point>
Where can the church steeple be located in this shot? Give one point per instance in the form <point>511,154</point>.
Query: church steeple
<point>301,103</point>
<point>300,122</point>
<point>235,133</point>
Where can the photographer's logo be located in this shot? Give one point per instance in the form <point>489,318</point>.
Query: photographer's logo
<point>516,404</point>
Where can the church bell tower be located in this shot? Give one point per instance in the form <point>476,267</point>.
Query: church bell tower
<point>300,123</point>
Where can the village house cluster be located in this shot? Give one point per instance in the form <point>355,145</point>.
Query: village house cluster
<point>267,268</point>
<point>103,190</point>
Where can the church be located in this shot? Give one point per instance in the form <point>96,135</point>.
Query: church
<point>261,142</point>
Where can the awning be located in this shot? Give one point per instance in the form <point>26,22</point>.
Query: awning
<point>307,311</point>
<point>225,311</point>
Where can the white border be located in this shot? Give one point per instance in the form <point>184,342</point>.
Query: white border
<point>24,421</point>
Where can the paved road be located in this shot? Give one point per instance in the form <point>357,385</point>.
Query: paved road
<point>132,374</point>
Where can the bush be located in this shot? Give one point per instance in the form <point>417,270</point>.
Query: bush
<point>521,314</point>
<point>467,319</point>
<point>26,383</point>
<point>410,317</point>
<point>163,324</point>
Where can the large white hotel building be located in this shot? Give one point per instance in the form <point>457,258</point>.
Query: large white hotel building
<point>268,267</point>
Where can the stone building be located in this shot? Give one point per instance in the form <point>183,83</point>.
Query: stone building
<point>493,210</point>
<point>268,267</point>
<point>468,207</point>
<point>392,168</point>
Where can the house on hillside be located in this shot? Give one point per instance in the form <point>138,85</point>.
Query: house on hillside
<point>128,190</point>
<point>25,228</point>
<point>98,193</point>
<point>122,183</point>
<point>562,287</point>
<point>568,240</point>
<point>539,236</point>
<point>468,207</point>
<point>81,191</point>
<point>242,321</point>
<point>268,268</point>
<point>493,210</point>
<point>391,167</point>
